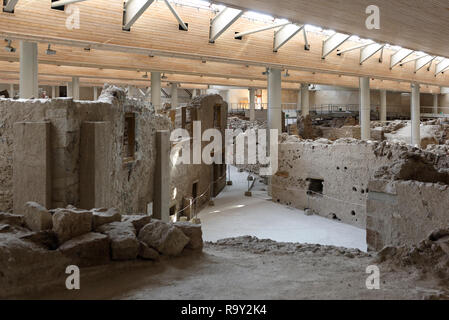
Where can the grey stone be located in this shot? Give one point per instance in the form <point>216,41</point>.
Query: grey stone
<point>138,221</point>
<point>148,253</point>
<point>165,238</point>
<point>87,250</point>
<point>68,223</point>
<point>37,217</point>
<point>46,239</point>
<point>192,231</point>
<point>11,219</point>
<point>124,244</point>
<point>104,216</point>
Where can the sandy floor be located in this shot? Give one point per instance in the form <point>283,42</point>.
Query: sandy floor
<point>235,215</point>
<point>240,271</point>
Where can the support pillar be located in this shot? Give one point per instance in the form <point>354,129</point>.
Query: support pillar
<point>76,88</point>
<point>11,90</point>
<point>69,89</point>
<point>28,70</point>
<point>161,188</point>
<point>174,96</point>
<point>95,93</point>
<point>252,104</point>
<point>131,92</point>
<point>156,90</point>
<point>383,105</point>
<point>274,100</point>
<point>435,103</point>
<point>365,108</point>
<point>305,99</point>
<point>416,115</point>
<point>53,92</point>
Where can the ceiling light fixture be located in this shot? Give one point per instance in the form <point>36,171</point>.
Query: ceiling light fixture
<point>145,76</point>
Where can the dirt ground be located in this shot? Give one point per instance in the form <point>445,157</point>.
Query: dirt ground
<point>247,268</point>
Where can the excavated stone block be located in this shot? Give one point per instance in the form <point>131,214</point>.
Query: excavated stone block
<point>124,244</point>
<point>103,216</point>
<point>192,231</point>
<point>87,250</point>
<point>138,221</point>
<point>165,238</point>
<point>148,253</point>
<point>36,217</point>
<point>11,219</point>
<point>69,224</point>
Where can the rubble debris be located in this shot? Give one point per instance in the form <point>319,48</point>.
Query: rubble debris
<point>165,238</point>
<point>103,216</point>
<point>69,223</point>
<point>36,217</point>
<point>124,244</point>
<point>192,231</point>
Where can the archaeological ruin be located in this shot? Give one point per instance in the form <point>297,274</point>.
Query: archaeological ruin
<point>194,150</point>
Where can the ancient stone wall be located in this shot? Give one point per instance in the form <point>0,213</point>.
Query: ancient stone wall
<point>210,179</point>
<point>332,178</point>
<point>404,212</point>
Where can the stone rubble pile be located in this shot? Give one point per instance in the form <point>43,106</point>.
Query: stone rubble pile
<point>45,242</point>
<point>430,257</point>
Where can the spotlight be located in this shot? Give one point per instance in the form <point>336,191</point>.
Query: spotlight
<point>145,76</point>
<point>50,51</point>
<point>164,76</point>
<point>9,48</point>
<point>286,74</point>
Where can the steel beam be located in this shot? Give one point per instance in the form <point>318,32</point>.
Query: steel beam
<point>399,56</point>
<point>222,22</point>
<point>133,10</point>
<point>442,66</point>
<point>283,35</point>
<point>369,51</point>
<point>361,46</point>
<point>332,43</point>
<point>177,16</point>
<point>246,33</point>
<point>10,5</point>
<point>421,62</point>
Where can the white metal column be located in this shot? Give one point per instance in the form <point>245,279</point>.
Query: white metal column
<point>252,104</point>
<point>76,88</point>
<point>365,108</point>
<point>156,90</point>
<point>28,70</point>
<point>383,105</point>
<point>435,103</point>
<point>53,92</point>
<point>95,93</point>
<point>11,90</point>
<point>416,115</point>
<point>305,99</point>
<point>274,100</point>
<point>174,96</point>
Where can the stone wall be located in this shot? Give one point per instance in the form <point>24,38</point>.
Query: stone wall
<point>343,170</point>
<point>210,179</point>
<point>129,185</point>
<point>404,212</point>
